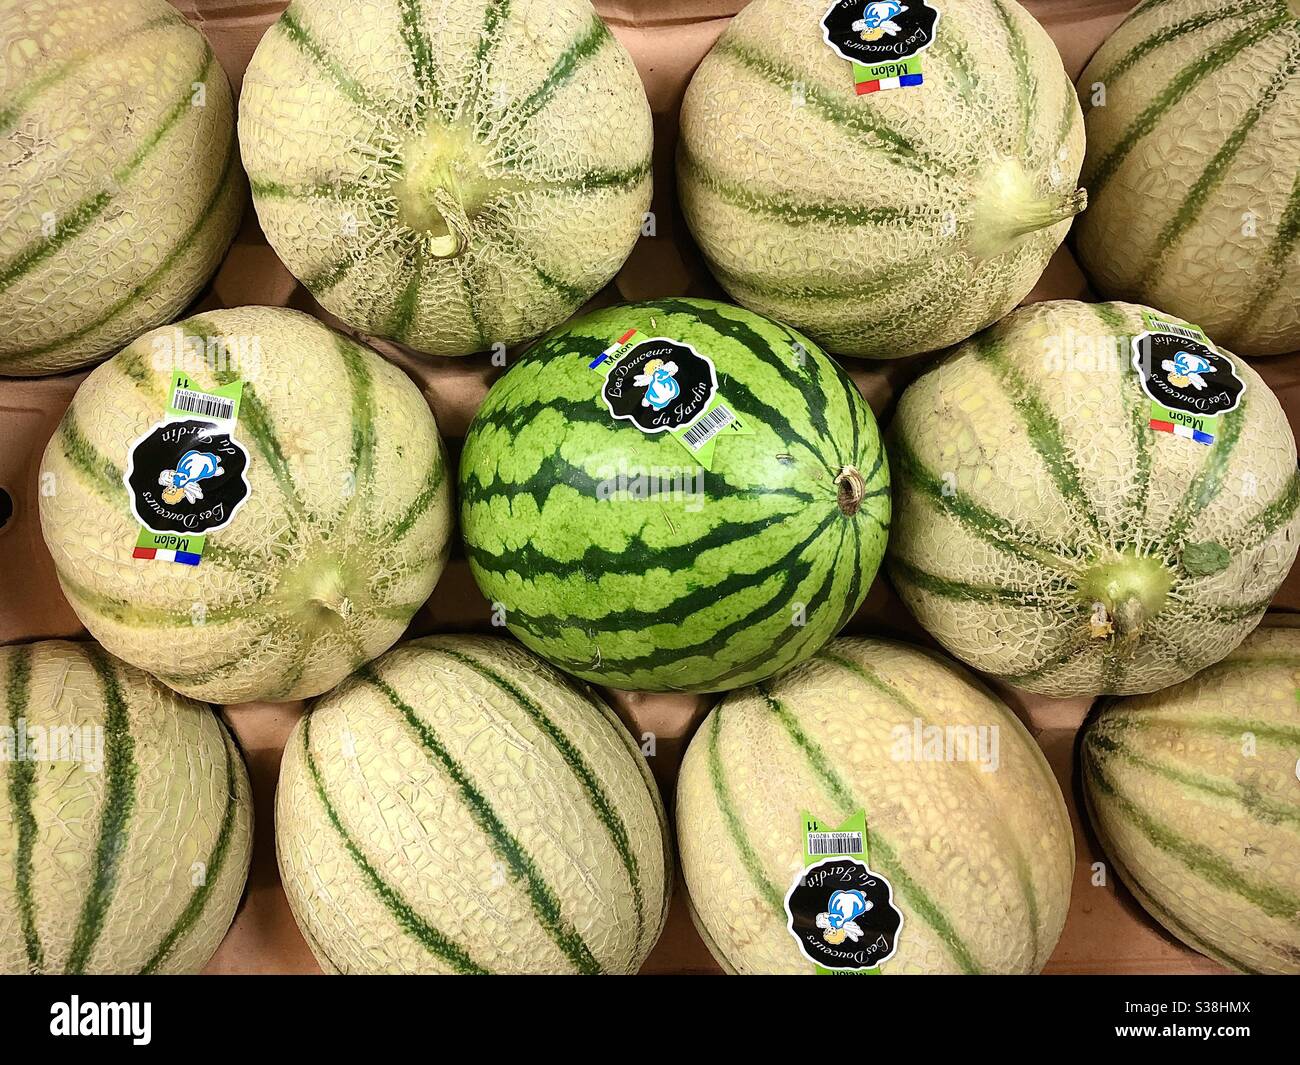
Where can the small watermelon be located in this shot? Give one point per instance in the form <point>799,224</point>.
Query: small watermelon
<point>881,223</point>
<point>332,490</point>
<point>964,819</point>
<point>122,182</point>
<point>607,545</point>
<point>126,819</point>
<point>452,175</point>
<point>1054,532</point>
<point>1192,791</point>
<point>459,807</point>
<point>1193,167</point>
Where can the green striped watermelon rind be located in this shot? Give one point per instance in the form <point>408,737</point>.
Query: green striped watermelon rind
<point>805,412</point>
<point>121,769</point>
<point>474,653</point>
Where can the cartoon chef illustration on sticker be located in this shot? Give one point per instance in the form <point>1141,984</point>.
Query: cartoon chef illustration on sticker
<point>1186,368</point>
<point>877,20</point>
<point>659,381</point>
<point>838,923</point>
<point>183,482</point>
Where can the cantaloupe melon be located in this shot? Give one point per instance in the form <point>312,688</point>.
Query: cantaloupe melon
<point>125,818</point>
<point>1046,533</point>
<point>977,849</point>
<point>1193,167</point>
<point>894,221</point>
<point>338,536</point>
<point>459,807</point>
<point>122,186</point>
<point>451,175</point>
<point>1193,793</point>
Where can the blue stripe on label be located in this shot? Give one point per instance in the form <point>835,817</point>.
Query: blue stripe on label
<point>598,360</point>
<point>1202,438</point>
<point>909,79</point>
<point>188,558</point>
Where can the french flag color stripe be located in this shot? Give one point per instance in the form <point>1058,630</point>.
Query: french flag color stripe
<point>185,558</point>
<point>610,350</point>
<point>900,82</point>
<point>1185,431</point>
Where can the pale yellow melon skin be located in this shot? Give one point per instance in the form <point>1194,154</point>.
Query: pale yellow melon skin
<point>1238,281</point>
<point>889,288</point>
<point>976,843</point>
<point>90,85</point>
<point>401,808</point>
<point>1211,762</point>
<point>291,596</point>
<point>958,421</point>
<point>179,754</point>
<point>538,248</point>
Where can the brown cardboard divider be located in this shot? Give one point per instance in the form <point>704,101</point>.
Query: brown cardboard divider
<point>263,937</point>
<point>31,605</point>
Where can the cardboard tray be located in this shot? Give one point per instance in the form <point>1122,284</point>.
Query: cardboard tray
<point>1106,931</point>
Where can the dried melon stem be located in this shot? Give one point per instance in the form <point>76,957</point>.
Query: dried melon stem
<point>441,185</point>
<point>1008,206</point>
<point>1125,594</point>
<point>851,487</point>
<point>320,592</point>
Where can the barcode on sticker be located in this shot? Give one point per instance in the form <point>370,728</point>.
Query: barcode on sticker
<point>834,842</point>
<point>201,403</point>
<point>709,426</point>
<point>1178,330</point>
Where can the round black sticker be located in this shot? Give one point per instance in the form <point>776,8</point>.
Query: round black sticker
<point>660,385</point>
<point>1186,375</point>
<point>881,31</point>
<point>843,915</point>
<point>186,477</point>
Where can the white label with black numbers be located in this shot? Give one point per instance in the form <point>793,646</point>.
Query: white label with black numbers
<point>709,426</point>
<point>1184,331</point>
<point>218,408</point>
<point>834,842</point>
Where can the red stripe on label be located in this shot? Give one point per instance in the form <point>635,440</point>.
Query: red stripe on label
<point>865,87</point>
<point>624,338</point>
<point>1162,427</point>
<point>145,552</point>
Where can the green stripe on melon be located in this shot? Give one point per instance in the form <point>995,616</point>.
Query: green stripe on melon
<point>133,857</point>
<point>1032,500</point>
<point>1191,169</point>
<point>715,579</point>
<point>890,223</point>
<point>459,806</point>
<point>340,541</point>
<point>1192,791</point>
<point>449,175</point>
<point>128,188</point>
<point>980,862</point>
